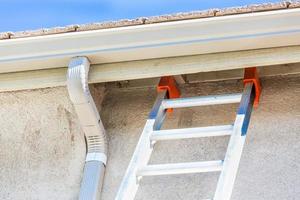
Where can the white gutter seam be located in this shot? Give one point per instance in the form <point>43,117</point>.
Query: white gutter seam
<point>91,124</point>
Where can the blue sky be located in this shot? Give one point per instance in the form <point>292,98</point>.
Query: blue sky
<point>17,15</point>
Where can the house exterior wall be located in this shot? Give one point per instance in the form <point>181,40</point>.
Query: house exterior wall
<point>43,149</point>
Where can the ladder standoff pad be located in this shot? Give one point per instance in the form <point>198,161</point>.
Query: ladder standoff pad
<point>251,76</point>
<point>168,84</point>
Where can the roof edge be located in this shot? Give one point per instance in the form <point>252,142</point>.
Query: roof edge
<point>215,12</point>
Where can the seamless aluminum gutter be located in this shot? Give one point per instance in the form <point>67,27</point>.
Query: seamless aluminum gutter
<point>170,39</point>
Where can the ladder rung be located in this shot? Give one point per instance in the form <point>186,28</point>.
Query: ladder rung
<point>184,133</point>
<point>180,168</point>
<point>201,101</point>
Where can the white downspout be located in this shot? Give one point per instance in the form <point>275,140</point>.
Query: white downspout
<point>91,124</point>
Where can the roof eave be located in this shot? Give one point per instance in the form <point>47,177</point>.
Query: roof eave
<point>152,41</point>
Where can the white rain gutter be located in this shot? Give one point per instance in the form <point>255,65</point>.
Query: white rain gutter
<point>152,41</point>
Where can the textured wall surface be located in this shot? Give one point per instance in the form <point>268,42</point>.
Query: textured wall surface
<point>42,146</point>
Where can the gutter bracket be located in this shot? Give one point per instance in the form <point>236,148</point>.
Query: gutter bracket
<point>91,124</point>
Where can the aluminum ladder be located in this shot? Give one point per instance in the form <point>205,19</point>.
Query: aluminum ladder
<point>138,166</point>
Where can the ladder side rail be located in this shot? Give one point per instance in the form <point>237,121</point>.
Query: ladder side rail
<point>236,144</point>
<point>158,113</point>
<point>142,153</point>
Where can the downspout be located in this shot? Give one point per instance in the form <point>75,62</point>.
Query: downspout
<point>91,124</point>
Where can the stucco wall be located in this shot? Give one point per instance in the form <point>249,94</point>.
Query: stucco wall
<point>42,146</point>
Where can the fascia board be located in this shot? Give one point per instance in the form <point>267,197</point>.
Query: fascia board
<point>161,67</point>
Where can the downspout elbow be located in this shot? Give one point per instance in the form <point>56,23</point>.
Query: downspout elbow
<point>91,124</point>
